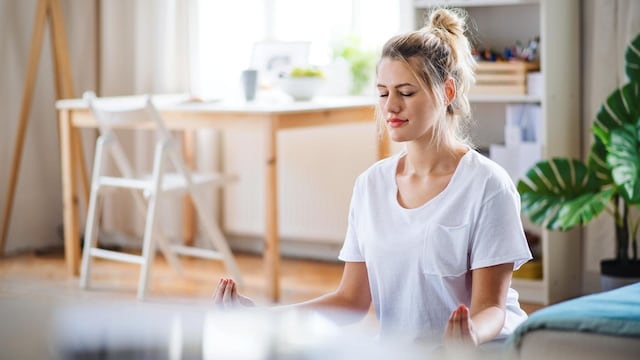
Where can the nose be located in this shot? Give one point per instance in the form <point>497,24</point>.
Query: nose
<point>392,104</point>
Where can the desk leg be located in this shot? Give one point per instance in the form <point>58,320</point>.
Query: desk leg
<point>188,210</point>
<point>272,243</point>
<point>81,164</point>
<point>69,193</point>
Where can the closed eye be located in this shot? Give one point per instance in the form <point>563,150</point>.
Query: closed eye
<point>409,90</point>
<point>407,94</point>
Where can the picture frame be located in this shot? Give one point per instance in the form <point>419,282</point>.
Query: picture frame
<point>272,59</point>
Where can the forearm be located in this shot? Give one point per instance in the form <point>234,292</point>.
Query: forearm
<point>488,323</point>
<point>348,304</point>
<point>336,306</point>
<point>489,299</point>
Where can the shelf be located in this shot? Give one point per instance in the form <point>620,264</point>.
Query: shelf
<point>471,3</point>
<point>532,99</point>
<point>499,24</point>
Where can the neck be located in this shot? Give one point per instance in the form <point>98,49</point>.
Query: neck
<point>427,160</point>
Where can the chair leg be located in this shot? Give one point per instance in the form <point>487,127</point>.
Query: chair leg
<point>167,252</point>
<point>90,234</point>
<point>148,243</point>
<point>217,238</point>
<point>212,229</point>
<point>90,237</point>
<point>169,255</point>
<point>148,248</point>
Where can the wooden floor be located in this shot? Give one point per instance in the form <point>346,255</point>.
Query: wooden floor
<point>43,275</point>
<point>42,309</point>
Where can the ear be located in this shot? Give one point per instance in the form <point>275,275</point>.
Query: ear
<point>449,91</point>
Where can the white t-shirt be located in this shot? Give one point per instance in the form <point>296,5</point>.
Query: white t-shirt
<point>419,260</point>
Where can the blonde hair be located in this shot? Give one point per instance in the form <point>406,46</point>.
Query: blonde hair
<point>435,53</point>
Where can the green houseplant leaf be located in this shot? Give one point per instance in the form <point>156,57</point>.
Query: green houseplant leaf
<point>597,162</point>
<point>632,58</point>
<point>624,160</point>
<point>561,193</point>
<point>584,208</point>
<point>620,108</point>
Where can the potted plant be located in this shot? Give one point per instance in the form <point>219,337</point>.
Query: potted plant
<point>562,193</point>
<point>303,83</point>
<point>362,62</point>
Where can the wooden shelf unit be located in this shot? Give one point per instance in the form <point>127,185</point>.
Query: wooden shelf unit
<point>500,23</point>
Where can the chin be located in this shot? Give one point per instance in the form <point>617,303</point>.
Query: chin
<point>398,137</point>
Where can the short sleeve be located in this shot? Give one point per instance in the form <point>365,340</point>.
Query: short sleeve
<point>498,236</point>
<point>351,248</point>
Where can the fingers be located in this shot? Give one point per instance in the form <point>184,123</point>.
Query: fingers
<point>226,298</point>
<point>464,323</point>
<point>222,293</point>
<point>218,293</point>
<point>454,319</point>
<point>234,293</point>
<point>226,295</point>
<point>453,331</point>
<point>458,330</point>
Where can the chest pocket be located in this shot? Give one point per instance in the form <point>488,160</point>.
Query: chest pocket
<point>445,250</point>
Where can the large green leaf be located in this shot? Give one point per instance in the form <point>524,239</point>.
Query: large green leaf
<point>584,208</point>
<point>561,193</point>
<point>632,59</point>
<point>624,161</point>
<point>622,107</point>
<point>597,162</point>
<point>623,104</point>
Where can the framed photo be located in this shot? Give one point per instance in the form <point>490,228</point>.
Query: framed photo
<point>274,58</point>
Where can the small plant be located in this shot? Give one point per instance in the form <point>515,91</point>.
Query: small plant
<point>361,62</point>
<point>563,193</point>
<point>306,72</point>
<point>303,83</point>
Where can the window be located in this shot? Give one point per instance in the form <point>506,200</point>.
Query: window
<point>225,32</point>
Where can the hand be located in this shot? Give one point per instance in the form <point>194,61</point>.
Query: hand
<point>459,332</point>
<point>226,295</point>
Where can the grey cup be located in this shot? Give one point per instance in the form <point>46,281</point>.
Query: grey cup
<point>250,83</point>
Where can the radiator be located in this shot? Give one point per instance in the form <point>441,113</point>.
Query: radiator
<point>316,171</point>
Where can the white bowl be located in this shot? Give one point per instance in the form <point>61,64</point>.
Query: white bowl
<point>301,88</point>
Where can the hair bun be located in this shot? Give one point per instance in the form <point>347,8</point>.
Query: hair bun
<point>448,20</point>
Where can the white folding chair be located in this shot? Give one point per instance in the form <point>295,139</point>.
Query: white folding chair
<point>139,112</point>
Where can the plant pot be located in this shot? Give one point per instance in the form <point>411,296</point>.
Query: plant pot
<point>301,88</point>
<point>614,274</point>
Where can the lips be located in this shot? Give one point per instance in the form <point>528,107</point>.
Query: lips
<point>395,122</point>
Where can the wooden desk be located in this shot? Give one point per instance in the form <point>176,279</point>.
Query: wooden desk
<point>181,114</point>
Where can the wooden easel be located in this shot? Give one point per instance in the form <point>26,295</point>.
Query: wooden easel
<point>46,9</point>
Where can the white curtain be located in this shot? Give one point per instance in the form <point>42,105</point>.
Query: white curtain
<point>37,206</point>
<point>607,29</point>
<point>145,48</point>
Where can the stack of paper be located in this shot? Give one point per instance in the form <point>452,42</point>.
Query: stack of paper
<point>523,136</point>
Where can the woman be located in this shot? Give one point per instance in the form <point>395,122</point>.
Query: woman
<point>434,232</point>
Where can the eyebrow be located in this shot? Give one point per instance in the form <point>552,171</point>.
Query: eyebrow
<point>397,86</point>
